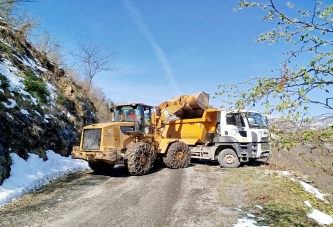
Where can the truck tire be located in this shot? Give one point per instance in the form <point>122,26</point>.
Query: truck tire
<point>100,167</point>
<point>228,158</point>
<point>178,155</point>
<point>139,159</point>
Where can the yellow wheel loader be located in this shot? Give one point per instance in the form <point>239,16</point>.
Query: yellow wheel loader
<point>134,137</point>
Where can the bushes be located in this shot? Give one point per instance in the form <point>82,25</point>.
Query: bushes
<point>4,83</point>
<point>5,49</point>
<point>61,99</point>
<point>36,87</point>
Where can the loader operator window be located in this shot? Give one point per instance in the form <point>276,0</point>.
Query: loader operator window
<point>128,113</point>
<point>140,115</point>
<point>132,115</point>
<point>147,120</point>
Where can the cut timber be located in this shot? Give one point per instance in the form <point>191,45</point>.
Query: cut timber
<point>184,107</point>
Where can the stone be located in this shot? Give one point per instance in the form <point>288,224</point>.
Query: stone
<point>307,179</point>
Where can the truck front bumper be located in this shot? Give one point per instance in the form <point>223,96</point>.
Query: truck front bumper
<point>265,154</point>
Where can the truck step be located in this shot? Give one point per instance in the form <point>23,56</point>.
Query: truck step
<point>200,157</point>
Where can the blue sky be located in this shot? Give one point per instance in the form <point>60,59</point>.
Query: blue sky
<point>165,48</point>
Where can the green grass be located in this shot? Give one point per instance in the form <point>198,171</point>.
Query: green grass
<point>5,49</point>
<point>36,86</point>
<point>61,99</point>
<point>4,83</point>
<point>282,200</point>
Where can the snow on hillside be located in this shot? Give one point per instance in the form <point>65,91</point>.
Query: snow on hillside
<point>317,122</point>
<point>322,121</point>
<point>32,174</point>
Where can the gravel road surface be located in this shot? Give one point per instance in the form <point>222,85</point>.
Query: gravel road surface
<point>165,197</point>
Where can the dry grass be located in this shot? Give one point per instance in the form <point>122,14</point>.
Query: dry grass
<point>281,198</point>
<point>318,164</point>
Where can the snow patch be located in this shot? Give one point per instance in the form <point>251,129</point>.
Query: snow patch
<point>30,175</point>
<point>285,173</point>
<point>309,188</point>
<point>260,207</point>
<point>16,84</point>
<point>244,222</point>
<point>250,215</point>
<point>37,113</point>
<point>24,111</point>
<point>318,216</point>
<point>9,115</point>
<point>11,105</point>
<point>30,63</point>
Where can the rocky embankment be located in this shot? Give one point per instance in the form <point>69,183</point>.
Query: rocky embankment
<point>41,108</point>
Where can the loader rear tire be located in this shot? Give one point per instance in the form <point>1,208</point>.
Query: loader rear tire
<point>228,158</point>
<point>178,155</point>
<point>139,158</point>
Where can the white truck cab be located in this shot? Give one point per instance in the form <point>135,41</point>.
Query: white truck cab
<point>250,129</point>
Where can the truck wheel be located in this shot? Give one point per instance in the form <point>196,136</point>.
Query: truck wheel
<point>178,155</point>
<point>100,167</point>
<point>228,158</point>
<point>139,158</point>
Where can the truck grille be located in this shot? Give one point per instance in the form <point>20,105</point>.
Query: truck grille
<point>91,139</point>
<point>264,139</point>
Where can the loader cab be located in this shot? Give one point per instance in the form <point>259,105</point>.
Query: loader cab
<point>138,113</point>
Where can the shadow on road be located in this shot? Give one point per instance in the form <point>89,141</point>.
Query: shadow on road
<point>252,163</point>
<point>255,163</point>
<point>204,162</point>
<point>121,171</point>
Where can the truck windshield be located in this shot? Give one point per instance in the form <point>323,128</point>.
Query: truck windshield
<point>256,120</point>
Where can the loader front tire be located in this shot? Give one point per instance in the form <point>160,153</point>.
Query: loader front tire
<point>178,155</point>
<point>139,158</point>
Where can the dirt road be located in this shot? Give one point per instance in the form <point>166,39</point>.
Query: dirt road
<point>165,197</point>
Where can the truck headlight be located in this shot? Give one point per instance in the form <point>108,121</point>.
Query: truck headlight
<point>233,132</point>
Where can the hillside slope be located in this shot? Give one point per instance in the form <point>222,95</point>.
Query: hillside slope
<point>41,108</point>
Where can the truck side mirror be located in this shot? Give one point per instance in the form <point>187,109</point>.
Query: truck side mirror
<point>266,120</point>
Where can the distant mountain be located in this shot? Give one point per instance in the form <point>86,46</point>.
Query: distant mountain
<point>322,121</point>
<point>318,122</point>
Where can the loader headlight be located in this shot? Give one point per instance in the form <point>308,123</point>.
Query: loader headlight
<point>260,133</point>
<point>75,148</point>
<point>110,149</point>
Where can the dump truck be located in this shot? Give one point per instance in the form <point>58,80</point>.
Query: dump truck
<point>175,131</point>
<point>229,137</point>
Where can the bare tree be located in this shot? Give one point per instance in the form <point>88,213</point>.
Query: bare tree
<point>47,44</point>
<point>22,21</point>
<point>7,7</point>
<point>92,59</point>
